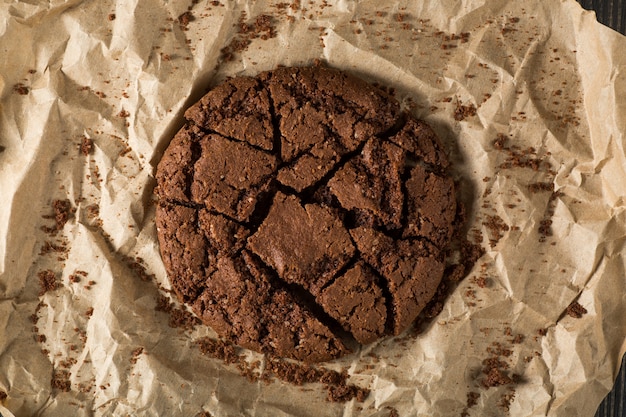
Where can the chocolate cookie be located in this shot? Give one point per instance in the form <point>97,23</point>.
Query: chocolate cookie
<point>301,209</point>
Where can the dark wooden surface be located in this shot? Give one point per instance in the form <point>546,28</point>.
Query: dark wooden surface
<point>612,13</point>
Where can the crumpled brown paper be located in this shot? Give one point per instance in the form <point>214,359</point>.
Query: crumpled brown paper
<point>544,77</point>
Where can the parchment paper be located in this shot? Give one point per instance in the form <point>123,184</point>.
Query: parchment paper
<point>545,75</point>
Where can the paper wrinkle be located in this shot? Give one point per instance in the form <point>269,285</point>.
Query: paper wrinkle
<point>89,69</point>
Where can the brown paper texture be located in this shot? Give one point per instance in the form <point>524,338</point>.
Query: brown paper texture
<point>544,74</point>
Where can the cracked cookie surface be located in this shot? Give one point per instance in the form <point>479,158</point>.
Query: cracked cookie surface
<point>301,212</point>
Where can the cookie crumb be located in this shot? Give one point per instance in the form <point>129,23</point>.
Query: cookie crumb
<point>86,146</point>
<point>576,310</point>
<point>185,18</point>
<point>47,281</point>
<point>61,380</point>
<point>462,112</point>
<point>393,412</point>
<point>62,211</point>
<point>21,89</point>
<point>135,355</point>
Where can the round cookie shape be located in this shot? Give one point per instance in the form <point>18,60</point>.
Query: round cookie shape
<point>301,211</point>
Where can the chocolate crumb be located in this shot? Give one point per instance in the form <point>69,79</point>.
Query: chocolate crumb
<point>62,211</point>
<point>21,89</point>
<point>506,400</point>
<point>393,412</point>
<point>494,377</point>
<point>338,390</point>
<point>218,349</point>
<point>482,282</point>
<point>136,265</point>
<point>50,247</point>
<point>263,28</point>
<point>540,186</point>
<point>496,227</point>
<point>89,312</point>
<point>61,380</point>
<point>500,142</point>
<point>576,310</point>
<point>542,332</point>
<point>86,146</point>
<point>185,18</point>
<point>344,393</point>
<point>123,114</point>
<point>462,112</point>
<point>135,355</point>
<point>47,281</point>
<point>182,319</point>
<point>111,16</point>
<point>472,399</point>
